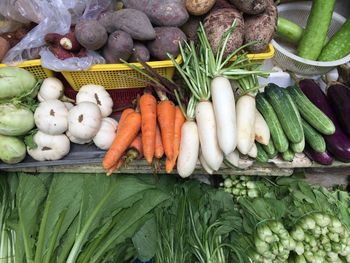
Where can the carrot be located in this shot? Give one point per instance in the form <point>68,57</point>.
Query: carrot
<point>148,108</point>
<point>179,121</point>
<point>159,150</point>
<point>125,113</point>
<point>166,120</point>
<point>125,136</point>
<point>115,167</point>
<point>137,145</point>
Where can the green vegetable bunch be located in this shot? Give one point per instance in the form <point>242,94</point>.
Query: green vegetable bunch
<point>321,238</point>
<point>240,186</point>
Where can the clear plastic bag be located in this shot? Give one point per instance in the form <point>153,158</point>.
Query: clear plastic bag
<point>8,25</point>
<point>49,61</point>
<point>9,10</point>
<point>55,18</point>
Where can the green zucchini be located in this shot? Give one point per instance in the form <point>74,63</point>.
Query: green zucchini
<point>262,156</point>
<point>315,33</point>
<point>286,114</point>
<point>313,115</point>
<point>270,149</point>
<point>313,138</point>
<point>339,44</point>
<point>288,155</point>
<point>279,138</point>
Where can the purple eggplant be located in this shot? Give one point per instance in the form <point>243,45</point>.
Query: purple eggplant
<point>339,97</point>
<point>338,144</point>
<point>344,74</point>
<point>322,158</point>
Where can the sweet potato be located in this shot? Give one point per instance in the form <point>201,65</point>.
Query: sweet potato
<point>161,12</point>
<point>91,34</point>
<point>251,7</point>
<point>70,42</point>
<point>132,21</point>
<point>219,21</point>
<point>4,47</point>
<point>119,46</point>
<point>199,7</point>
<point>261,27</point>
<point>167,41</point>
<point>140,53</point>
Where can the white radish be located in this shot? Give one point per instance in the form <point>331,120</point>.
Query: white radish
<point>204,164</point>
<point>225,113</point>
<point>245,123</point>
<point>262,131</point>
<point>189,148</point>
<point>207,135</point>
<point>253,151</point>
<point>232,158</point>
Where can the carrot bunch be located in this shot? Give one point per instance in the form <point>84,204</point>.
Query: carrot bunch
<point>154,131</point>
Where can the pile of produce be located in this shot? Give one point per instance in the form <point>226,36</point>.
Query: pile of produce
<point>312,42</point>
<point>53,218</point>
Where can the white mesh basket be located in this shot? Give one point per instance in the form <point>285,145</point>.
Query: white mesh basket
<point>285,53</point>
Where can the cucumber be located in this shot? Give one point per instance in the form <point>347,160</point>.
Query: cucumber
<point>262,156</point>
<point>298,147</point>
<point>286,114</point>
<point>315,33</point>
<point>270,149</point>
<point>290,31</point>
<point>288,155</point>
<point>279,138</point>
<point>339,44</point>
<point>313,115</point>
<point>313,138</point>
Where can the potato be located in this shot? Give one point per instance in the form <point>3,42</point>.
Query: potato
<point>132,21</point>
<point>167,41</point>
<point>161,12</point>
<point>199,7</point>
<point>219,21</point>
<point>191,27</point>
<point>4,47</point>
<point>261,28</point>
<point>119,46</point>
<point>91,34</point>
<point>251,7</point>
<point>140,53</point>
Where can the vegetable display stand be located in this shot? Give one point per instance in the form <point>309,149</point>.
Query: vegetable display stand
<point>34,66</point>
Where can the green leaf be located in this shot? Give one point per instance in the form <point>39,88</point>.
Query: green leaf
<point>29,140</point>
<point>145,240</point>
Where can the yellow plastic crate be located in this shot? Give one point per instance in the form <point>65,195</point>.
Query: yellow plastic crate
<point>121,76</point>
<point>34,66</point>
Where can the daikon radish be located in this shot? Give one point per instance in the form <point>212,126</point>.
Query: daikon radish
<point>253,151</point>
<point>262,131</point>
<point>204,164</point>
<point>232,159</point>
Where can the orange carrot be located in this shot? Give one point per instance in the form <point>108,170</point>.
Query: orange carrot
<point>125,113</point>
<point>179,121</point>
<point>116,167</point>
<point>148,108</point>
<point>125,135</point>
<point>166,120</point>
<point>159,150</point>
<point>137,145</point>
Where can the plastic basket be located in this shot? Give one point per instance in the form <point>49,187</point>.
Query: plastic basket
<point>121,76</point>
<point>34,66</point>
<point>285,55</point>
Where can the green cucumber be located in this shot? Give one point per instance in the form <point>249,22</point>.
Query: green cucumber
<point>315,33</point>
<point>262,156</point>
<point>313,115</point>
<point>279,138</point>
<point>286,114</point>
<point>339,44</point>
<point>270,149</point>
<point>288,155</point>
<point>313,138</point>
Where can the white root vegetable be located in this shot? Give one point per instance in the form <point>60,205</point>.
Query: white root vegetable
<point>52,89</point>
<point>225,113</point>
<point>106,134</point>
<point>207,135</point>
<point>68,105</point>
<point>50,147</point>
<point>253,151</point>
<point>98,95</point>
<point>77,140</point>
<point>84,120</point>
<point>204,164</point>
<point>232,158</point>
<point>262,131</point>
<point>189,148</point>
<point>245,123</point>
<point>51,117</point>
